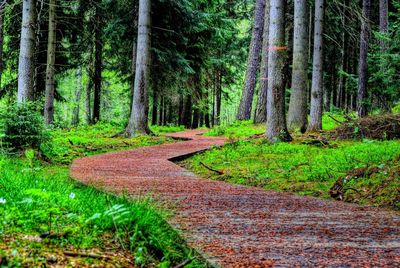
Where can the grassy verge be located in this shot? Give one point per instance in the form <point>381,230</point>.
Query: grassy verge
<point>45,215</point>
<point>307,169</point>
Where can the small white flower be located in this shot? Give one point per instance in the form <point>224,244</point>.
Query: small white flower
<point>2,201</point>
<point>44,190</point>
<point>72,195</point>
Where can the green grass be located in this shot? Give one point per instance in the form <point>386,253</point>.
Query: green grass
<point>37,197</point>
<point>304,169</point>
<point>244,129</point>
<point>82,141</point>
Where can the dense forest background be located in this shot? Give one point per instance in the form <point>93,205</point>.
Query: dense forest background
<point>84,54</point>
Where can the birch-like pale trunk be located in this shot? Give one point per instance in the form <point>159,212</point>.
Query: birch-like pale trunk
<point>363,62</point>
<point>261,111</point>
<point>50,68</point>
<point>298,113</point>
<point>27,52</point>
<point>138,122</point>
<point>276,119</point>
<point>244,112</point>
<point>317,87</point>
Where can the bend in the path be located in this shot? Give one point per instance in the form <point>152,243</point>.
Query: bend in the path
<point>239,226</point>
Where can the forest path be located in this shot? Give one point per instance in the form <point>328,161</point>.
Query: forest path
<point>240,226</point>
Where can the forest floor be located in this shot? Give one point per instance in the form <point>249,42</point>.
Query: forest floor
<point>309,165</point>
<point>243,226</point>
<point>50,220</point>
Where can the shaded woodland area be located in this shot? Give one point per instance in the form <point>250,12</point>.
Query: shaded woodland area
<point>84,61</point>
<point>283,111</point>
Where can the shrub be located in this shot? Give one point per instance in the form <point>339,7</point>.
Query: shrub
<point>23,127</point>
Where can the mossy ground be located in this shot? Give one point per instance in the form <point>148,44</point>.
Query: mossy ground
<point>39,199</point>
<point>302,168</point>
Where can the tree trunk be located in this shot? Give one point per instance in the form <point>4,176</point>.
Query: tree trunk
<point>50,68</point>
<point>1,42</point>
<point>98,62</point>
<point>363,63</point>
<point>245,105</point>
<point>27,52</point>
<point>276,119</point>
<point>180,109</point>
<point>187,112</point>
<point>317,77</point>
<point>78,93</point>
<point>345,56</point>
<point>207,110</point>
<point>297,117</point>
<point>218,98</point>
<point>383,22</point>
<point>155,108</point>
<point>261,111</point>
<point>138,123</point>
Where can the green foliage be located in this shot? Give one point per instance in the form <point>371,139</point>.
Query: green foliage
<point>47,200</point>
<point>23,127</point>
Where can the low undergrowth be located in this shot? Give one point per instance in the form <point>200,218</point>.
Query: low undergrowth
<point>47,219</point>
<point>306,166</point>
<point>83,141</point>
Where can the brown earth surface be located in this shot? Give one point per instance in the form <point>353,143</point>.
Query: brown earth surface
<point>240,226</point>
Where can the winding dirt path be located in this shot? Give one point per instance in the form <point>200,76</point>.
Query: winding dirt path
<point>239,226</point>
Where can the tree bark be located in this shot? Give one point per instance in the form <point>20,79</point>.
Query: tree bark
<point>1,41</point>
<point>138,123</point>
<point>187,112</point>
<point>261,111</point>
<point>78,93</point>
<point>244,112</point>
<point>98,62</point>
<point>155,108</point>
<point>298,113</point>
<point>218,98</point>
<point>317,77</point>
<point>383,22</point>
<point>50,68</point>
<point>276,119</point>
<point>27,52</point>
<point>363,63</point>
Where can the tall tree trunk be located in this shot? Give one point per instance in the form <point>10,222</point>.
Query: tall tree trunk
<point>363,63</point>
<point>298,113</point>
<point>344,55</point>
<point>383,22</point>
<point>244,112</point>
<point>161,113</point>
<point>155,108</point>
<point>180,109</point>
<point>98,62</point>
<point>218,98</point>
<point>138,123</point>
<point>261,111</point>
<point>88,102</point>
<point>317,77</point>
<point>276,119</point>
<point>2,10</point>
<point>187,112</point>
<point>27,52</point>
<point>50,68</point>
<point>207,110</point>
<point>2,7</point>
<point>78,93</point>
